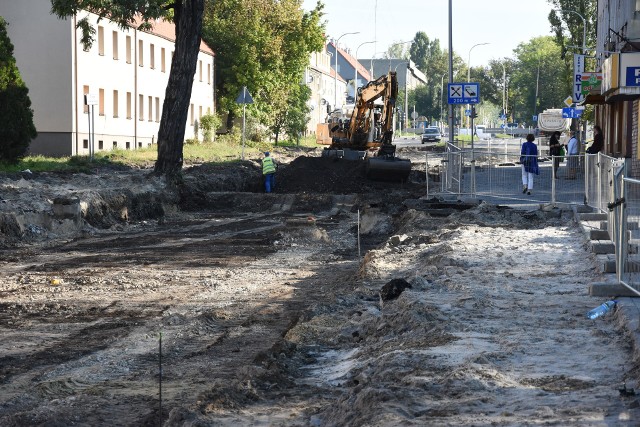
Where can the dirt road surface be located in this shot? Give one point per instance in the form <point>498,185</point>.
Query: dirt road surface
<point>127,301</point>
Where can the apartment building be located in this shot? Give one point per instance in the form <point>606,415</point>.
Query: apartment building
<point>125,73</point>
<point>327,89</point>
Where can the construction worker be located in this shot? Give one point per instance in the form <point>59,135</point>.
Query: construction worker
<point>269,171</point>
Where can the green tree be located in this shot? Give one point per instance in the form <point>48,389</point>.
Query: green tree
<point>16,117</point>
<point>298,112</point>
<point>291,113</point>
<point>540,80</point>
<point>209,123</point>
<point>187,17</point>
<point>398,50</point>
<point>567,23</point>
<point>264,45</point>
<point>428,56</point>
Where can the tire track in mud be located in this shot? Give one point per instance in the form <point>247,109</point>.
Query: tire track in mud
<point>228,304</point>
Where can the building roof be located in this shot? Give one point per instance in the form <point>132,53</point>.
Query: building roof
<point>167,30</point>
<point>353,62</point>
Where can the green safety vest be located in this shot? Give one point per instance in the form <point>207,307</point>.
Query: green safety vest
<point>268,166</point>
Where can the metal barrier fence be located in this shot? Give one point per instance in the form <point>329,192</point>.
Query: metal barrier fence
<point>600,171</point>
<point>625,217</point>
<point>596,180</point>
<point>496,173</point>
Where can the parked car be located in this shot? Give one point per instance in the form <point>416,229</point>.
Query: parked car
<point>430,135</point>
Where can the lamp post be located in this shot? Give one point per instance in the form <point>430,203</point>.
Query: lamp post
<point>469,68</point>
<point>405,86</point>
<point>335,77</point>
<point>584,28</point>
<point>442,97</point>
<point>504,89</point>
<point>355,71</point>
<point>371,64</point>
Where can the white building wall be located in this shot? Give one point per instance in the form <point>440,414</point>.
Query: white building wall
<point>45,63</point>
<point>57,94</point>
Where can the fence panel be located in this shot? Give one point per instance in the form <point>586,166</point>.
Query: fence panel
<point>498,174</point>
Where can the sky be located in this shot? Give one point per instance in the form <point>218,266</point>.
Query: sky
<point>502,23</point>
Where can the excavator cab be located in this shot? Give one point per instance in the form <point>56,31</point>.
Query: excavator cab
<point>370,130</point>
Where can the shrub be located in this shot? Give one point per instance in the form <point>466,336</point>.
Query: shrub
<point>16,116</point>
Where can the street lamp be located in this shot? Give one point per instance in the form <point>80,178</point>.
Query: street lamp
<point>442,97</point>
<point>405,89</point>
<point>584,28</point>
<point>371,64</point>
<point>504,89</point>
<point>469,61</point>
<point>335,77</point>
<point>355,71</point>
<point>469,67</point>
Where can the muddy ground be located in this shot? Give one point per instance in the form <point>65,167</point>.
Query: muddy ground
<point>127,301</point>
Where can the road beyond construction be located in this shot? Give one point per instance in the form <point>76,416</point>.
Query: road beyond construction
<point>334,301</point>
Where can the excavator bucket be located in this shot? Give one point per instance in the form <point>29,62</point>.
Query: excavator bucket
<point>389,169</point>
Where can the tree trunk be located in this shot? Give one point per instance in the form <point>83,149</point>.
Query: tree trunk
<point>175,110</point>
<point>231,116</point>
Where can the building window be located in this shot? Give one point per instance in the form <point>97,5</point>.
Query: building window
<point>208,110</point>
<point>85,144</point>
<point>162,60</point>
<point>101,102</point>
<point>140,53</point>
<point>191,110</point>
<point>100,145</point>
<point>115,104</point>
<point>127,145</point>
<point>208,74</point>
<point>129,105</point>
<point>140,107</point>
<point>115,45</point>
<point>152,56</point>
<point>150,108</point>
<point>200,112</point>
<point>100,40</point>
<point>128,47</point>
<point>114,146</point>
<point>157,109</point>
<point>200,69</point>
<point>85,91</point>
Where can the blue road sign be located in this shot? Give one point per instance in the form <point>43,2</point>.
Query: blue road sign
<point>535,118</point>
<point>463,93</point>
<point>572,113</point>
<point>467,113</point>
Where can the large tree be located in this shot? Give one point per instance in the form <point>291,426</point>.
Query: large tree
<point>428,55</point>
<point>16,116</point>
<point>187,16</point>
<point>540,80</point>
<point>263,45</point>
<point>573,22</point>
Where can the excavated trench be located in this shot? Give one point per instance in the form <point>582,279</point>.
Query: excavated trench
<point>223,270</point>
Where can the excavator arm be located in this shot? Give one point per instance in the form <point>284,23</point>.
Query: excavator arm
<point>371,126</point>
<point>371,123</point>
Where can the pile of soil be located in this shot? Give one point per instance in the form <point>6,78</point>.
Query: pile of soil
<point>327,175</point>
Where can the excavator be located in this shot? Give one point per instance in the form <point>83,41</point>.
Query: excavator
<point>370,128</point>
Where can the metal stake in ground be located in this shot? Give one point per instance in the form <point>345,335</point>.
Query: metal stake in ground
<point>160,377</point>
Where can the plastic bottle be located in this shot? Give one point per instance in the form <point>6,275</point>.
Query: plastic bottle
<point>601,309</point>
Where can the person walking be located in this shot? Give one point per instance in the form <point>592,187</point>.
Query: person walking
<point>268,171</point>
<point>555,151</point>
<point>598,141</point>
<point>572,156</point>
<point>529,161</point>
